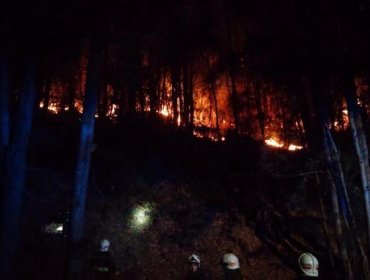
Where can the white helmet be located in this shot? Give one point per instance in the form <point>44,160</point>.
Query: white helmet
<point>231,261</point>
<point>104,245</point>
<point>309,265</point>
<point>194,259</point>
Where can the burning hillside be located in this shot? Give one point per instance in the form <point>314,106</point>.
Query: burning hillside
<point>196,100</point>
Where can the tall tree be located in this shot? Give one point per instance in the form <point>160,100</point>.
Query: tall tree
<point>212,82</point>
<point>360,143</point>
<point>15,174</point>
<point>232,57</point>
<point>82,168</point>
<point>4,109</point>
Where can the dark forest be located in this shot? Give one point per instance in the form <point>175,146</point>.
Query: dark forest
<point>173,128</point>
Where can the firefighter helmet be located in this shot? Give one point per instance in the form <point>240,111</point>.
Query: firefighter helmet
<point>309,265</point>
<point>194,259</point>
<point>104,245</point>
<point>231,261</point>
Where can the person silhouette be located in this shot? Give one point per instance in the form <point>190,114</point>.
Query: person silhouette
<point>231,267</point>
<point>102,266</point>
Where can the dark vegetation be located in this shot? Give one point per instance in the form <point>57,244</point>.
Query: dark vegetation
<point>208,198</point>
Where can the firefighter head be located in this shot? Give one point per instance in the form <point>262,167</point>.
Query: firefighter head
<point>230,261</point>
<point>104,245</point>
<point>309,265</point>
<point>194,262</point>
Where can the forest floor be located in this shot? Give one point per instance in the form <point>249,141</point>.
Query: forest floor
<point>196,196</point>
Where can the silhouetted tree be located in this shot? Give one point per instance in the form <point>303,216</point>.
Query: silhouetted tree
<point>4,109</point>
<point>82,169</point>
<point>15,174</point>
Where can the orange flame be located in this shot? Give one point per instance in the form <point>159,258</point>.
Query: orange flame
<point>113,111</point>
<point>293,147</point>
<point>273,142</point>
<point>345,121</point>
<point>164,111</point>
<point>78,106</point>
<point>53,107</point>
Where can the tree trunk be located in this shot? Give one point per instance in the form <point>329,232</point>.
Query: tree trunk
<point>175,80</point>
<point>261,115</point>
<point>191,96</point>
<point>185,119</point>
<point>338,177</point>
<point>342,246</point>
<point>122,101</point>
<point>360,142</point>
<point>358,253</point>
<point>234,102</point>
<point>103,102</point>
<point>4,110</point>
<point>154,91</point>
<point>325,226</point>
<point>339,230</point>
<point>214,96</point>
<point>131,98</point>
<point>180,120</point>
<point>308,114</point>
<point>71,91</point>
<point>46,94</point>
<point>232,68</point>
<point>15,173</point>
<point>4,121</point>
<point>82,170</point>
<point>163,91</point>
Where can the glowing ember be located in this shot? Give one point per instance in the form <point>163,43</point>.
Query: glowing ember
<point>78,106</point>
<point>278,144</point>
<point>338,126</point>
<point>197,134</point>
<point>164,111</point>
<point>293,147</point>
<point>210,135</point>
<point>53,107</point>
<point>113,111</point>
<point>274,143</point>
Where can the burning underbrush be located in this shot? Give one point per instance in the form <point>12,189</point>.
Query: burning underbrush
<point>171,223</point>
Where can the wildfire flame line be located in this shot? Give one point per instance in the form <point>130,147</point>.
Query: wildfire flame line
<point>166,112</point>
<point>273,142</point>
